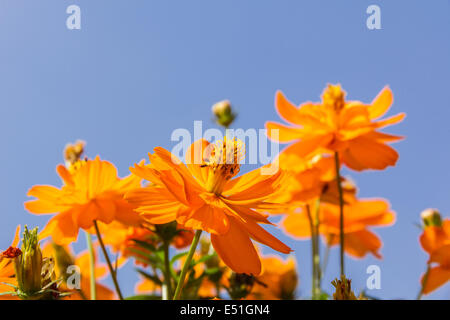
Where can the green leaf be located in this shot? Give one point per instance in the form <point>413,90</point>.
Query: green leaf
<point>154,260</point>
<point>151,277</point>
<point>178,257</point>
<point>212,270</point>
<point>203,259</point>
<point>145,245</point>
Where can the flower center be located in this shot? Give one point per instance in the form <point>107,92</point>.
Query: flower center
<point>73,156</point>
<point>334,97</point>
<point>223,158</point>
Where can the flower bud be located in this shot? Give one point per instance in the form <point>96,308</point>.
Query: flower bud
<point>431,218</point>
<point>28,265</point>
<point>223,112</point>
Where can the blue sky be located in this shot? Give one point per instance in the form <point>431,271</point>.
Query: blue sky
<point>137,70</point>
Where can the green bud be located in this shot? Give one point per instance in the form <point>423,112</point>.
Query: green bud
<point>431,218</point>
<point>223,113</point>
<point>29,264</point>
<point>33,272</point>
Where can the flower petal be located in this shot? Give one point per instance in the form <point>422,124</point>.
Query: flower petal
<point>236,249</point>
<point>437,277</point>
<point>364,153</point>
<point>281,133</point>
<point>381,104</point>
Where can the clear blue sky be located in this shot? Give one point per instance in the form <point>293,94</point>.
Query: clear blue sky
<point>137,70</point>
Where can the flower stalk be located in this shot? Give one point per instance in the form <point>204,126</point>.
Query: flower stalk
<point>167,276</point>
<point>424,282</point>
<point>187,264</point>
<point>341,212</point>
<point>111,269</point>
<point>316,273</point>
<point>92,280</point>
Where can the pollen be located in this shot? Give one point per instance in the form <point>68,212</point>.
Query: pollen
<point>73,156</point>
<point>334,96</point>
<point>223,159</point>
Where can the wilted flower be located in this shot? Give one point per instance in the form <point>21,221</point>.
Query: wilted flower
<point>7,273</point>
<point>343,289</point>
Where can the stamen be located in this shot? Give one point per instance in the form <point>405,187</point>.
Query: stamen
<point>334,96</point>
<point>73,154</point>
<point>224,160</point>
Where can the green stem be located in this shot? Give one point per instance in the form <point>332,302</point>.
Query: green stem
<point>313,252</point>
<point>317,253</point>
<point>187,264</point>
<point>167,276</point>
<point>111,269</point>
<point>341,211</point>
<point>93,287</point>
<point>327,254</point>
<point>424,282</point>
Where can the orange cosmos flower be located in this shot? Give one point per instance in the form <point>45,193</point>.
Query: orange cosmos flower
<point>337,125</point>
<point>204,196</point>
<point>307,179</point>
<point>7,273</point>
<point>359,216</point>
<point>91,191</point>
<point>277,281</point>
<point>435,240</point>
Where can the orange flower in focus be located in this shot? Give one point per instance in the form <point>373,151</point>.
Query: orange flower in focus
<point>91,191</point>
<point>360,214</point>
<point>277,281</point>
<point>337,125</point>
<point>204,196</point>
<point>64,259</point>
<point>435,240</point>
<point>7,273</point>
